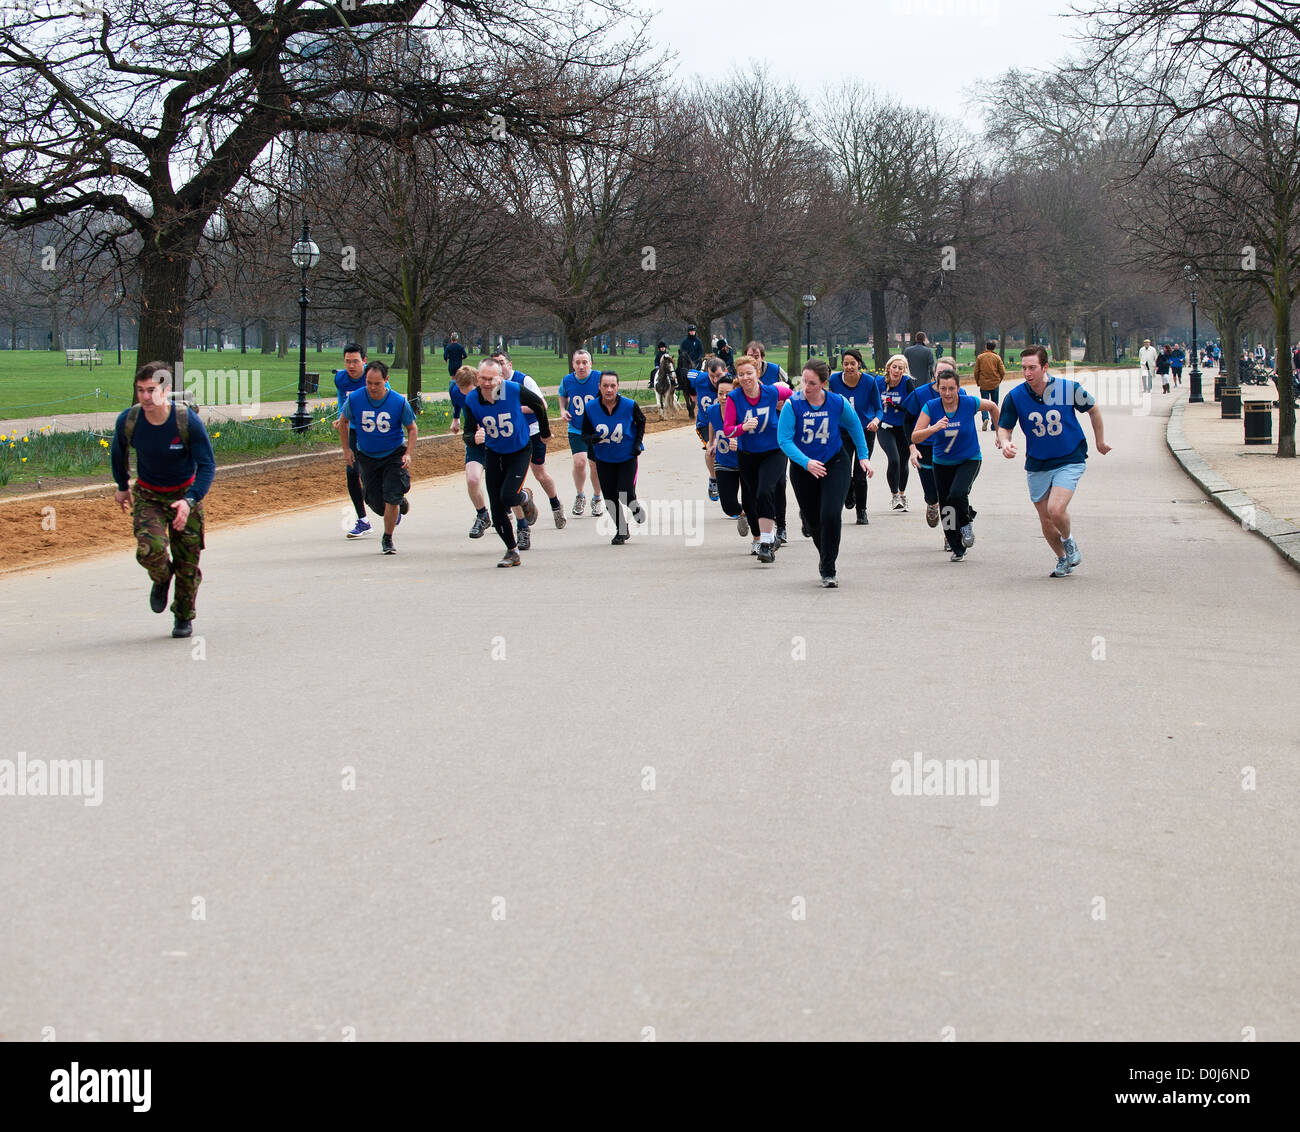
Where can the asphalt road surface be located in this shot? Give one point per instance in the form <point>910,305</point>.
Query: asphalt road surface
<point>658,790</point>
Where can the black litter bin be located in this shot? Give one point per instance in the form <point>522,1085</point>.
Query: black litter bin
<point>1259,422</point>
<point>1231,403</point>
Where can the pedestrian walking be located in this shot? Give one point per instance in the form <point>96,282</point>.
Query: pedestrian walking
<point>810,432</point>
<point>174,470</point>
<point>989,376</point>
<point>921,361</point>
<point>1162,366</point>
<point>453,353</point>
<point>370,430</point>
<point>1147,357</point>
<point>1047,409</point>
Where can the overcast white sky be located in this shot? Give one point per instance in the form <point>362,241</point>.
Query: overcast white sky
<point>924,52</point>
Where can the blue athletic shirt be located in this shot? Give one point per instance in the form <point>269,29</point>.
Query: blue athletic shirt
<point>505,427</point>
<point>771,375</point>
<point>379,427</point>
<point>913,406</point>
<point>706,396</point>
<point>960,441</point>
<point>580,395</point>
<point>864,396</point>
<point>346,385</point>
<point>615,438</point>
<point>891,401</point>
<point>1053,435</point>
<point>813,433</point>
<point>724,456</point>
<point>763,438</point>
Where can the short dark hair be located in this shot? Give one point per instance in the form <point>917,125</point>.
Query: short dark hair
<point>376,364</point>
<point>161,372</point>
<point>947,372</point>
<point>854,354</point>
<point>820,368</point>
<point>501,352</point>
<point>354,348</point>
<point>1040,352</point>
<point>919,337</point>
<point>990,345</point>
<point>608,373</point>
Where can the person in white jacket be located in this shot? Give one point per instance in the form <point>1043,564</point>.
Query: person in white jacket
<point>1147,361</point>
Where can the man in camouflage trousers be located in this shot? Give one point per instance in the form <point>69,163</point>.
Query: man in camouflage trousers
<point>175,468</point>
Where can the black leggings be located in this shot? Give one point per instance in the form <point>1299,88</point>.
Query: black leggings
<point>894,443</point>
<point>819,501</point>
<point>926,474</point>
<point>354,490</point>
<point>954,483</point>
<point>762,476</point>
<point>618,486</point>
<point>505,473</point>
<point>856,495</point>
<point>729,490</point>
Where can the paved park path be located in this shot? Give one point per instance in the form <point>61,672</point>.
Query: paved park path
<point>502,868</point>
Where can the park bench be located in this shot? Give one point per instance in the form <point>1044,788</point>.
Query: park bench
<point>90,357</point>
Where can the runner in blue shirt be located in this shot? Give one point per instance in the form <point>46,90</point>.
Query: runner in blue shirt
<point>948,423</point>
<point>859,388</point>
<point>1047,408</point>
<point>769,373</point>
<point>347,381</point>
<point>370,428</point>
<point>576,390</point>
<point>615,426</point>
<point>893,386</point>
<point>726,459</point>
<point>809,432</point>
<point>705,386</point>
<point>462,385</point>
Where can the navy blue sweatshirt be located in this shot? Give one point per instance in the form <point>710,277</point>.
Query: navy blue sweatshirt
<point>161,460</point>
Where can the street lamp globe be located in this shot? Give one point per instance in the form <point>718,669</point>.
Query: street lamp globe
<point>809,299</point>
<point>305,254</point>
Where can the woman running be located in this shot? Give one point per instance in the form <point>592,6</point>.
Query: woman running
<point>921,454</point>
<point>496,408</point>
<point>726,466</point>
<point>615,426</point>
<point>858,388</point>
<point>956,456</point>
<point>749,414</point>
<point>809,433</point>
<point>893,386</point>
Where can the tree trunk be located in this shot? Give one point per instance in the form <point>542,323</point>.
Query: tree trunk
<point>282,342</point>
<point>952,335</point>
<point>268,338</point>
<point>1002,343</point>
<point>399,350</point>
<point>164,275</point>
<point>414,335</point>
<point>575,338</point>
<point>1282,328</point>
<point>794,356</point>
<point>879,328</point>
<point>746,327</point>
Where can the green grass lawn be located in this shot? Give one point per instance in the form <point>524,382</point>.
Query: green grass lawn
<point>44,453</point>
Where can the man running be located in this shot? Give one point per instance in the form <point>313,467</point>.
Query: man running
<point>578,388</point>
<point>347,381</point>
<point>1047,408</point>
<point>706,396</point>
<point>538,459</point>
<point>376,415</point>
<point>496,408</point>
<point>174,469</point>
<point>615,427</point>
<point>464,381</point>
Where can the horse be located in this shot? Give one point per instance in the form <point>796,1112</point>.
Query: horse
<point>684,381</point>
<point>665,384</point>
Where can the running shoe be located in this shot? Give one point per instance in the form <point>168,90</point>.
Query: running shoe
<point>742,525</point>
<point>968,535</point>
<point>986,425</point>
<point>902,501</point>
<point>597,505</point>
<point>530,508</point>
<point>754,549</point>
<point>1063,568</point>
<point>829,582</point>
<point>158,594</point>
<point>767,552</point>
<point>361,529</point>
<point>1072,555</point>
<point>713,490</point>
<point>638,512</point>
<point>807,530</point>
<point>524,537</point>
<point>579,503</point>
<point>618,540</point>
<point>932,514</point>
<point>780,536</point>
<point>894,504</point>
<point>958,557</point>
<point>557,513</point>
<point>386,545</point>
<point>862,517</point>
<point>481,523</point>
<point>510,558</point>
<point>849,502</point>
<point>404,506</point>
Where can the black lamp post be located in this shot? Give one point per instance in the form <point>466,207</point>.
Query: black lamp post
<point>305,255</point>
<point>1114,337</point>
<point>119,293</point>
<point>1194,395</point>
<point>808,301</point>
